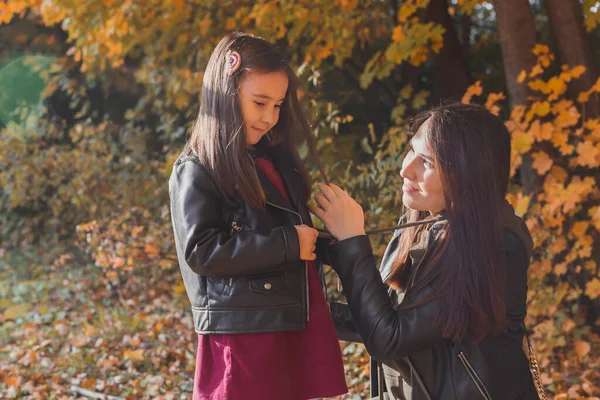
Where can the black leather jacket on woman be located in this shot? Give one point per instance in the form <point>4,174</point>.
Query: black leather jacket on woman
<point>241,266</point>
<point>495,368</point>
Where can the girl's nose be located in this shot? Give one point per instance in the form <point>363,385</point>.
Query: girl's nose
<point>269,116</point>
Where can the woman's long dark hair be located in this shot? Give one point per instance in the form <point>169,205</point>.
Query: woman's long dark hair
<point>218,135</point>
<point>471,150</point>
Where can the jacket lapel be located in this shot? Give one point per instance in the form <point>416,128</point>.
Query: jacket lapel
<point>271,193</point>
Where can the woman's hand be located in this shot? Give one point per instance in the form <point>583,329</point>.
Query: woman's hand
<point>307,237</point>
<point>343,217</point>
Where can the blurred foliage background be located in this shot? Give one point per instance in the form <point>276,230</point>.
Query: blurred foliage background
<point>96,100</point>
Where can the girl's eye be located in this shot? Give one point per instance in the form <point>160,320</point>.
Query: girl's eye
<point>427,163</point>
<point>259,104</point>
<point>278,105</point>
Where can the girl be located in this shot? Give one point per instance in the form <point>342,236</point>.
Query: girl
<point>449,323</point>
<point>249,258</point>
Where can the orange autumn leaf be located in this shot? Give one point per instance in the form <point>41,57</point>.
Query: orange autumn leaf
<point>582,348</point>
<point>541,162</point>
<point>474,90</point>
<point>589,154</point>
<point>541,132</point>
<point>151,250</point>
<point>594,214</point>
<point>535,71</point>
<point>522,76</point>
<point>579,228</point>
<point>559,245</point>
<point>560,269</point>
<point>398,35</point>
<point>88,383</point>
<point>592,288</point>
<point>136,355</point>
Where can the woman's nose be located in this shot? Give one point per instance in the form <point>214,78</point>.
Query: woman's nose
<point>408,171</point>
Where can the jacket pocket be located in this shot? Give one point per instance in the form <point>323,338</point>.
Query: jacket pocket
<point>474,377</point>
<point>267,283</point>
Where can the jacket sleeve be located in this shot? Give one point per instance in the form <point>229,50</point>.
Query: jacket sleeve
<point>202,236</point>
<point>343,322</point>
<point>388,334</point>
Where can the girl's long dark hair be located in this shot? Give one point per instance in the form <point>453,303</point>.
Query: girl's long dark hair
<point>471,149</point>
<point>218,136</point>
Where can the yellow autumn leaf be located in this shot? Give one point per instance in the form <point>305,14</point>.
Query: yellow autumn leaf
<point>519,202</point>
<point>522,141</point>
<point>522,76</point>
<point>16,311</point>
<point>577,71</point>
<point>535,71</point>
<point>542,109</point>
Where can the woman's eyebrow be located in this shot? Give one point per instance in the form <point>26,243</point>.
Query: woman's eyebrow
<point>426,157</point>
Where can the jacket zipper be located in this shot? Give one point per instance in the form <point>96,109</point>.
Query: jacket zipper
<point>305,262</point>
<point>474,377</point>
<point>237,228</point>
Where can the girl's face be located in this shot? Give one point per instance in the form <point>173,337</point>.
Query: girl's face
<point>422,188</point>
<point>261,96</point>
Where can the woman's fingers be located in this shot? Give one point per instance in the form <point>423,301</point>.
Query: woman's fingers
<point>337,190</point>
<point>322,201</point>
<point>319,212</point>
<point>327,192</point>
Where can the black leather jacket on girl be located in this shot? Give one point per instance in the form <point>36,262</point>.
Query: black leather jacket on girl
<point>494,368</point>
<point>241,266</point>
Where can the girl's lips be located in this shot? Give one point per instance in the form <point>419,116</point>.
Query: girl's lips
<point>408,189</point>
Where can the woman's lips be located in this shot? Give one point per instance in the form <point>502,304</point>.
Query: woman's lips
<point>408,189</point>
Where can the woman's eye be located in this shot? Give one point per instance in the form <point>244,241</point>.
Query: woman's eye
<point>278,105</point>
<point>427,163</point>
<point>259,103</point>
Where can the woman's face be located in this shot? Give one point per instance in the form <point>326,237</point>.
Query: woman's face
<point>422,188</point>
<point>261,96</point>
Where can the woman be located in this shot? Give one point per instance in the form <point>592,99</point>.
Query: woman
<point>445,313</point>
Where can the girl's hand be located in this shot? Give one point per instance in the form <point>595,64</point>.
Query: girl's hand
<point>307,237</point>
<point>343,217</point>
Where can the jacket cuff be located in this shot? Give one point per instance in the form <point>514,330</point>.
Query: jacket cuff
<point>343,254</point>
<point>292,243</point>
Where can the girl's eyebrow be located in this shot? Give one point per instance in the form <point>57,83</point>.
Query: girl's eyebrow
<point>264,96</point>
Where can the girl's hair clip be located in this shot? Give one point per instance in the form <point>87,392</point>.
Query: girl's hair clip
<point>234,60</point>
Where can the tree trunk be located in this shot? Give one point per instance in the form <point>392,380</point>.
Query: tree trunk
<point>451,73</point>
<point>516,30</point>
<point>566,20</point>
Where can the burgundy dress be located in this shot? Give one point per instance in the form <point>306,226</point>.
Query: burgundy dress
<point>290,365</point>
